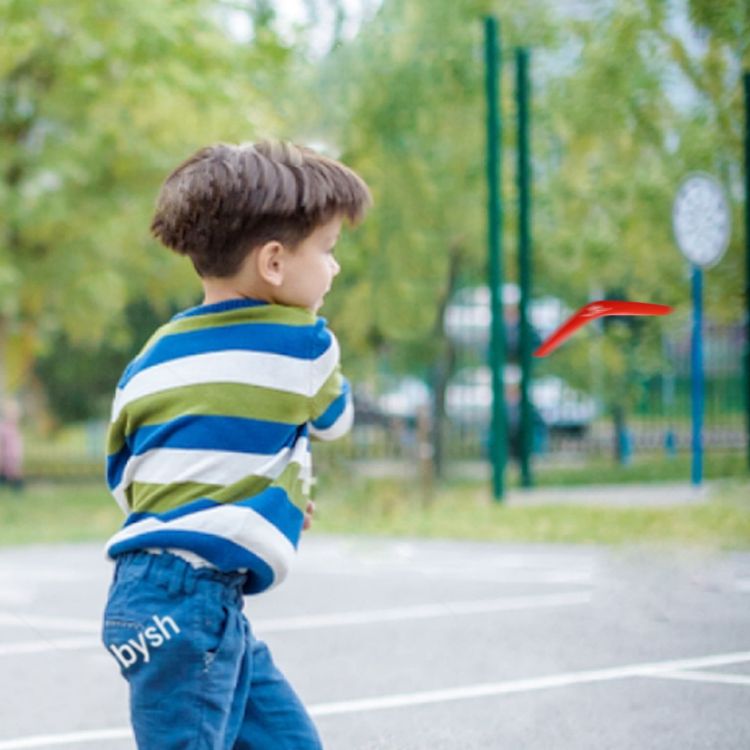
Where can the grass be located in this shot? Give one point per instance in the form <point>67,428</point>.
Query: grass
<point>467,512</point>
<point>644,468</point>
<point>57,512</point>
<point>73,512</point>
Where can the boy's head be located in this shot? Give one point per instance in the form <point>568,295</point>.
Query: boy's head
<point>225,201</point>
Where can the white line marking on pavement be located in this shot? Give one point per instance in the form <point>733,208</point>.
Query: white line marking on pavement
<point>453,574</point>
<point>303,622</point>
<point>423,611</point>
<point>50,740</point>
<point>698,676</point>
<point>49,575</point>
<point>524,686</point>
<point>15,597</point>
<point>49,644</point>
<point>649,669</point>
<point>75,624</point>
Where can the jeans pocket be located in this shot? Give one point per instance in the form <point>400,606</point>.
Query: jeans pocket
<point>140,625</point>
<point>219,633</point>
<point>125,639</point>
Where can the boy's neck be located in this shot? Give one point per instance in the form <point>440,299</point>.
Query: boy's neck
<point>222,290</point>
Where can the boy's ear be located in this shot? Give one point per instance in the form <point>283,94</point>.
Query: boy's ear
<point>270,262</point>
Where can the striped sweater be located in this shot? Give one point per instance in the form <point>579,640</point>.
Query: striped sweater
<point>208,449</point>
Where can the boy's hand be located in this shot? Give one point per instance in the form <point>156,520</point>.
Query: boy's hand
<point>308,515</point>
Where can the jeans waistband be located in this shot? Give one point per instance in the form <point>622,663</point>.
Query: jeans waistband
<point>178,576</point>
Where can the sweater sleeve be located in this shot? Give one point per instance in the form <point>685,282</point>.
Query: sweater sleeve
<point>331,405</point>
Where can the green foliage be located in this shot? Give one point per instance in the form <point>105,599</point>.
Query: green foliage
<point>79,377</point>
<point>403,102</point>
<point>644,105</point>
<point>98,101</point>
<point>612,137</point>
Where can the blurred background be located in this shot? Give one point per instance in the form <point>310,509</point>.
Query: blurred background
<point>100,100</point>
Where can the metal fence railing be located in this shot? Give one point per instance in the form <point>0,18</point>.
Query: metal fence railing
<point>574,424</point>
<point>399,429</point>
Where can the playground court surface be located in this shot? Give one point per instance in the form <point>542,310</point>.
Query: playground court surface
<point>411,644</point>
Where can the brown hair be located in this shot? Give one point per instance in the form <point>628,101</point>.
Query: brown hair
<point>226,200</point>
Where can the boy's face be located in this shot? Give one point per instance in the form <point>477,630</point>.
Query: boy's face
<point>310,268</point>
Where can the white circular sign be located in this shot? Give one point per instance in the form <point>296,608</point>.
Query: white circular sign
<point>701,220</point>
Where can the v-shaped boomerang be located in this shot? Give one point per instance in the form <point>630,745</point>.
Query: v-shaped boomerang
<point>595,310</point>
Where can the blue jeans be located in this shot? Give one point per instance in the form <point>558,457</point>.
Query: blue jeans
<point>199,680</point>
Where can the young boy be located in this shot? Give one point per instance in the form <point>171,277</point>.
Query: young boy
<point>208,447</point>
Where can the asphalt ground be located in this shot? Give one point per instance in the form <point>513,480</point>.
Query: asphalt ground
<point>412,644</point>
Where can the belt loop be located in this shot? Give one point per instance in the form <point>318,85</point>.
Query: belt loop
<point>174,574</point>
<point>153,568</point>
<point>189,579</point>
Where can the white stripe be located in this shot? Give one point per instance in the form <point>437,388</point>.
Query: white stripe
<point>423,698</point>
<point>173,465</point>
<point>240,525</point>
<point>698,676</point>
<point>274,371</point>
<point>340,427</point>
<point>121,499</point>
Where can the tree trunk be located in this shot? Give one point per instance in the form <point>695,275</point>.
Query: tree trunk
<point>445,361</point>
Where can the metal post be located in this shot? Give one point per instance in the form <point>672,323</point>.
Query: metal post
<point>696,366</point>
<point>498,442</point>
<point>746,81</point>
<point>524,263</point>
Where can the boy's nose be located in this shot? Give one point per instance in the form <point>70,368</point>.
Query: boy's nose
<point>336,267</point>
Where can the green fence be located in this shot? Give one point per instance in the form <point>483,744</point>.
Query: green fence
<point>596,418</point>
<point>581,433</point>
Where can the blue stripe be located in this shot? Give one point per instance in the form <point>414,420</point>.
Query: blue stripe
<point>334,411</point>
<point>217,307</point>
<point>196,432</point>
<point>303,342</point>
<point>273,504</point>
<point>222,553</point>
<point>116,464</point>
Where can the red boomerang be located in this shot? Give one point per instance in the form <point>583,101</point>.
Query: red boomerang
<point>595,310</point>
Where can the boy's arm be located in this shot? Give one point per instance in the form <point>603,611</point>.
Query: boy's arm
<point>331,406</point>
<point>338,416</point>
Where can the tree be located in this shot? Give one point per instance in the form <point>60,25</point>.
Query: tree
<point>98,101</point>
<point>403,103</point>
<point>643,105</point>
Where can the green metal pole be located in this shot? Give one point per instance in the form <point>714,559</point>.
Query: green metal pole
<point>746,81</point>
<point>524,262</point>
<point>498,442</point>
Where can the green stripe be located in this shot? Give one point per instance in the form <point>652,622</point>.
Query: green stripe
<point>288,480</point>
<point>144,497</point>
<point>208,399</point>
<point>277,314</point>
<point>246,487</point>
<point>328,393</point>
